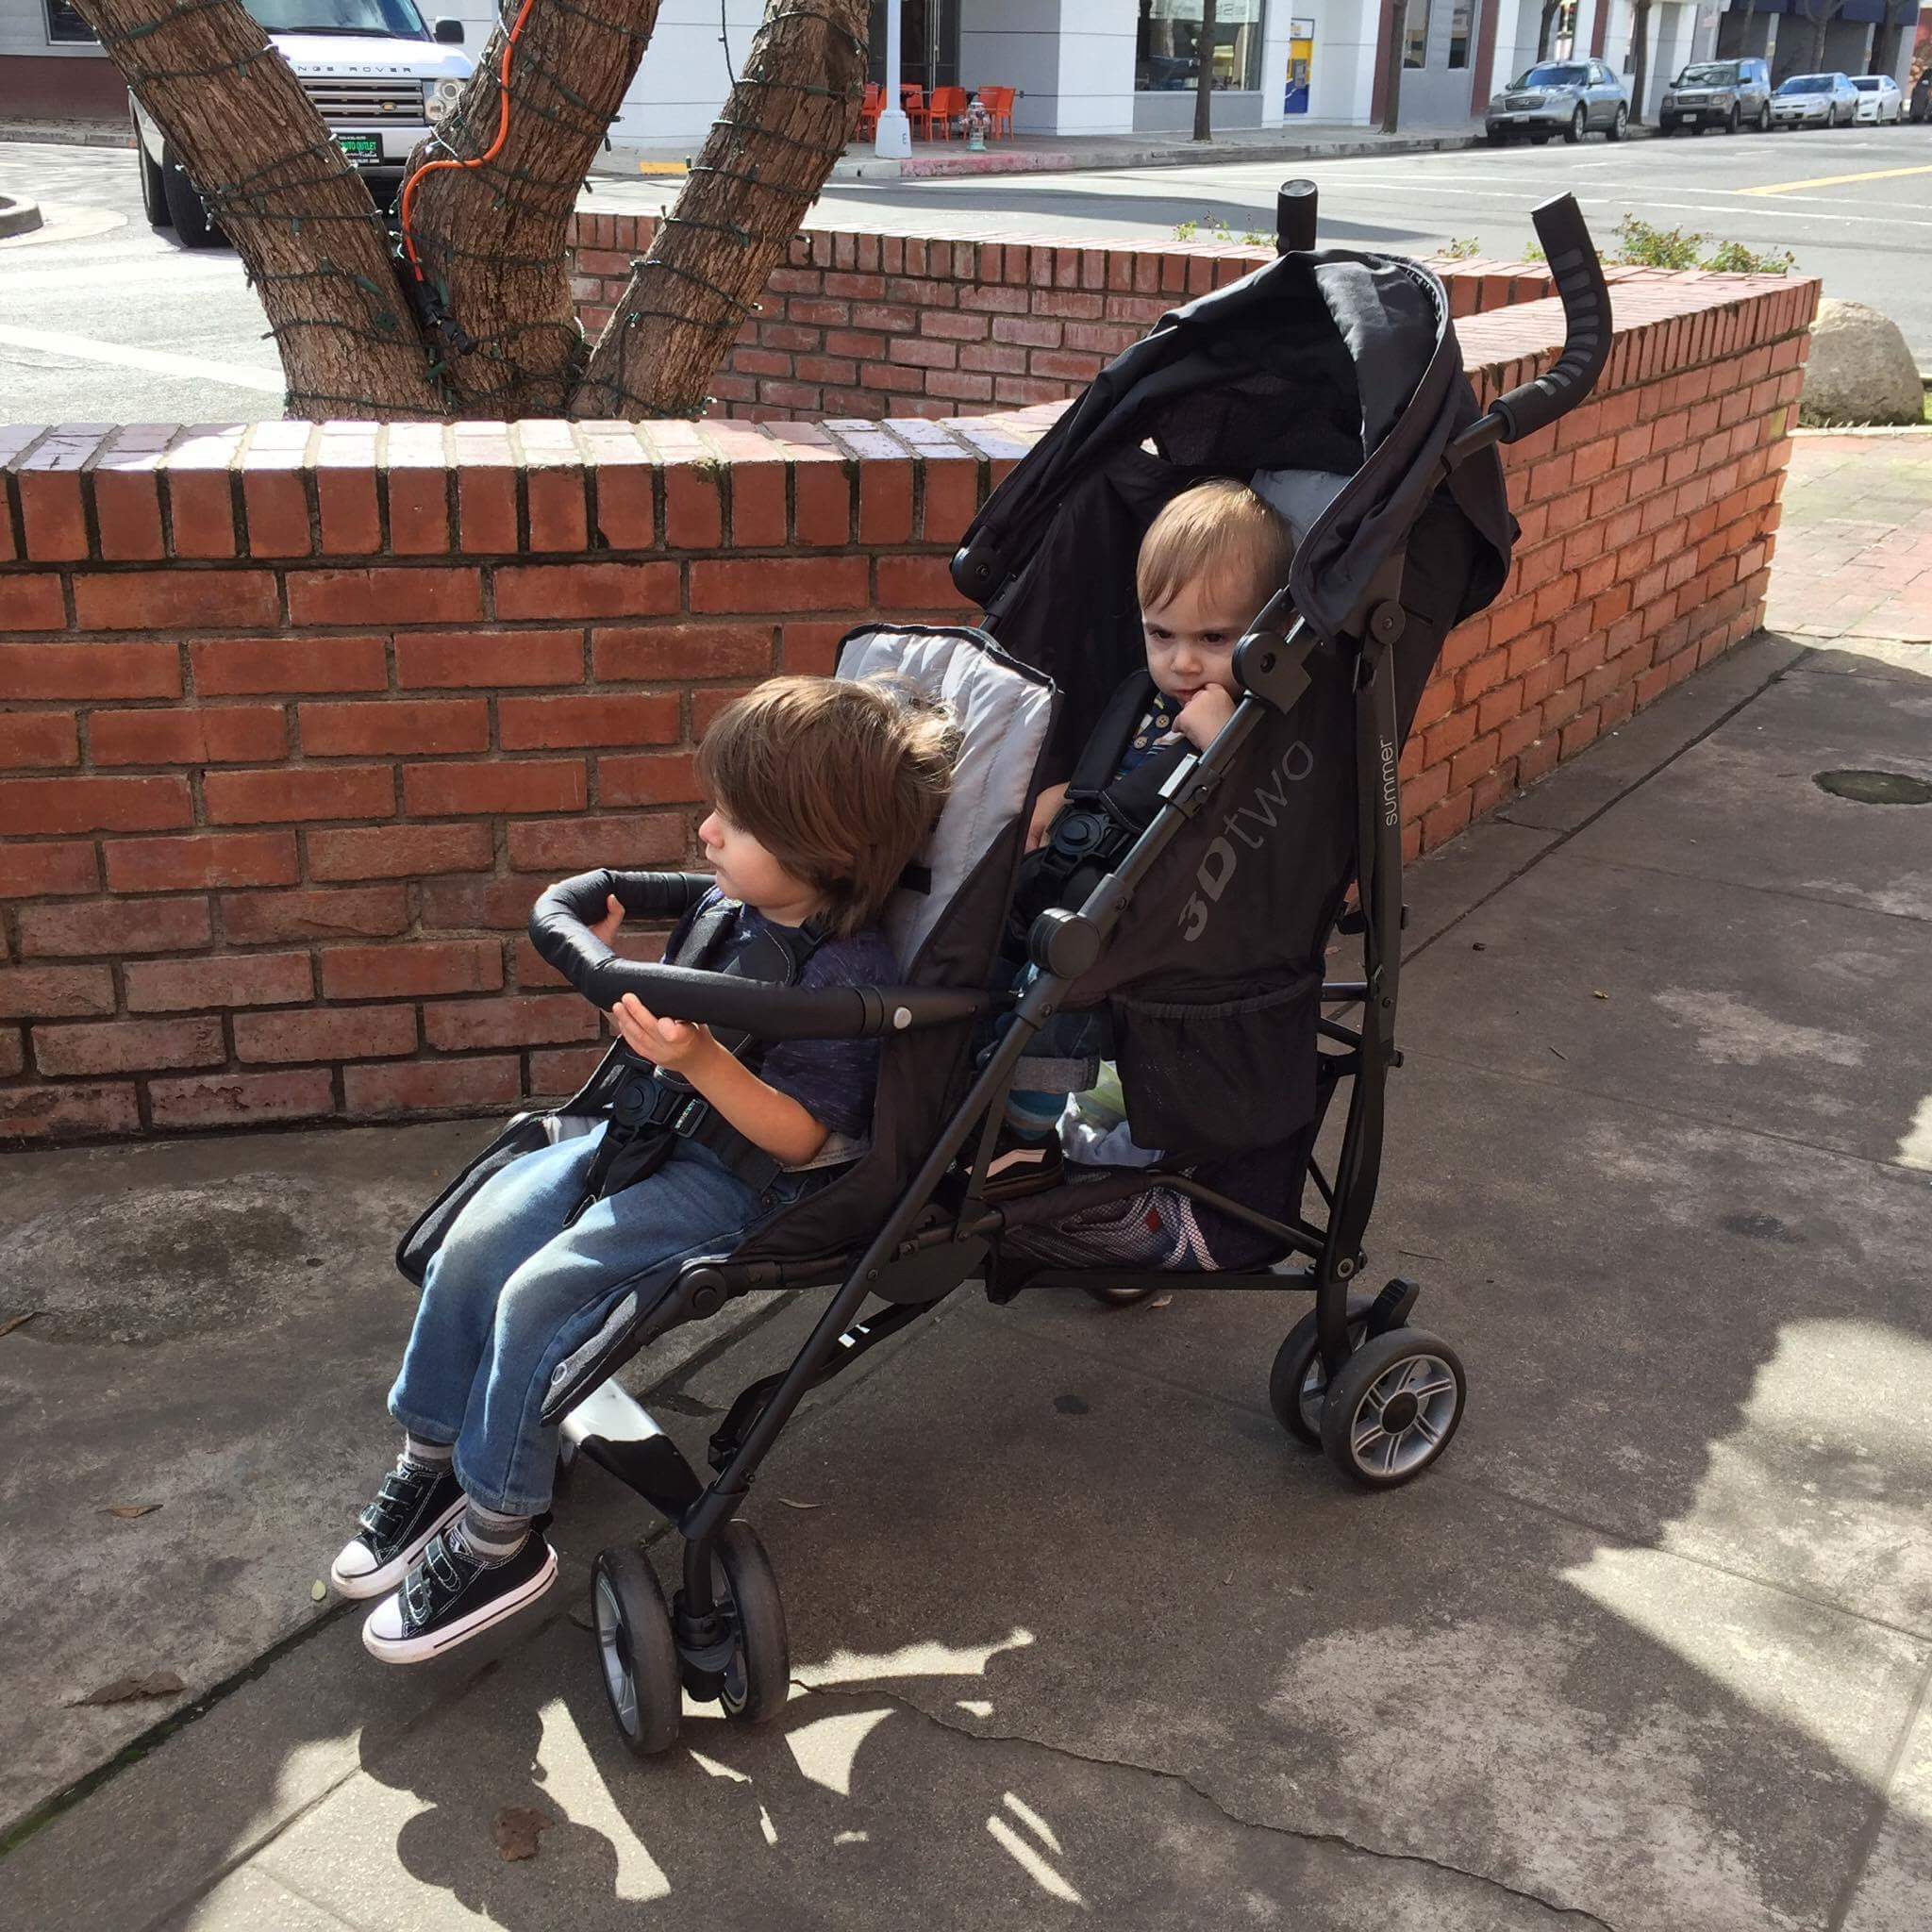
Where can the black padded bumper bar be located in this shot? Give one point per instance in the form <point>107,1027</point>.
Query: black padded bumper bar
<point>560,930</point>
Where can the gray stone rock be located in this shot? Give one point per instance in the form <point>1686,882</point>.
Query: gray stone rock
<point>1860,369</point>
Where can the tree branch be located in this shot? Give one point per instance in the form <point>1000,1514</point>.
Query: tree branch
<point>489,234</point>
<point>763,163</point>
<point>301,219</point>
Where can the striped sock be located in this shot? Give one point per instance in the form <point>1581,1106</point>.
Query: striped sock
<point>428,1457</point>
<point>494,1536</point>
<point>1034,1116</point>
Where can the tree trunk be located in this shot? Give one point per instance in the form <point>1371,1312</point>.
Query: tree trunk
<point>1885,45</point>
<point>1203,75</point>
<point>765,159</point>
<point>1391,70</point>
<point>310,238</point>
<point>1819,21</point>
<point>1543,29</point>
<point>490,235</point>
<point>1639,48</point>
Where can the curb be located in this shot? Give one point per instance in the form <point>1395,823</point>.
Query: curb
<point>1063,161</point>
<point>68,133</point>
<point>18,217</point>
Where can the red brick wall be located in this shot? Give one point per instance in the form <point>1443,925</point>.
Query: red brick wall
<point>296,720</point>
<point>869,325</point>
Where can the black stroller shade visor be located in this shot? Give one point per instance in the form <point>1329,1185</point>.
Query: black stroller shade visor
<point>560,930</point>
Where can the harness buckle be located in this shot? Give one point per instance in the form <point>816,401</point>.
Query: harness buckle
<point>689,1117</point>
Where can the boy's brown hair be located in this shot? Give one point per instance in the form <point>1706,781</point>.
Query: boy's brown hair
<point>841,781</point>
<point>1217,529</point>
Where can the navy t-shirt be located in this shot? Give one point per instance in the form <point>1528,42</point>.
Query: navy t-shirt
<point>832,1079</point>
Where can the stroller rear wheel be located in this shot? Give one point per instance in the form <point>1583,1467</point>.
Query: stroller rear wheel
<point>1393,1407</point>
<point>758,1680</point>
<point>637,1650</point>
<point>1116,1297</point>
<point>1298,1384</point>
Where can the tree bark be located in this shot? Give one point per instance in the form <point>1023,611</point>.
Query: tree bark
<point>313,242</point>
<point>1639,48</point>
<point>767,155</point>
<point>1392,68</point>
<point>1885,44</point>
<point>490,237</point>
<point>1203,75</point>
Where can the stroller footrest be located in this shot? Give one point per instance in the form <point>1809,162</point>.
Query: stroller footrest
<point>618,1433</point>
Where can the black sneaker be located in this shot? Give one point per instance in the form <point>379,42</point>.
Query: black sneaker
<point>411,1506</point>
<point>450,1596</point>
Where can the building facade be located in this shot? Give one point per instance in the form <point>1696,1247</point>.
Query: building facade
<point>1087,67</point>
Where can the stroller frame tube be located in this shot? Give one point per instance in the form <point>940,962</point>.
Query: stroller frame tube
<point>1069,944</point>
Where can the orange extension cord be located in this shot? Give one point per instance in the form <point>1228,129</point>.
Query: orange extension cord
<point>489,154</point>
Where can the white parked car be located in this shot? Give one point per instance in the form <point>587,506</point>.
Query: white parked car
<point>1879,99</point>
<point>1814,100</point>
<point>380,76</point>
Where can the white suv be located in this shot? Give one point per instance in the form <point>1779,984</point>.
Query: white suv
<point>378,76</point>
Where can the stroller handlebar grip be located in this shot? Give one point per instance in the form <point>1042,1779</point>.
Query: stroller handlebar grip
<point>561,931</point>
<point>1586,297</point>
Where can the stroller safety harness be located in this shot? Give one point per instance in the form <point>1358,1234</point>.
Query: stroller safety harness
<point>649,1108</point>
<point>1330,379</point>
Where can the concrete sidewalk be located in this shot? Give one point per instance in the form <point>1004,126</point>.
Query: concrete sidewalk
<point>1077,1633</point>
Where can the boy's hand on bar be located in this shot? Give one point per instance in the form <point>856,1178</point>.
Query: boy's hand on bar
<point>605,929</point>
<point>677,1044</point>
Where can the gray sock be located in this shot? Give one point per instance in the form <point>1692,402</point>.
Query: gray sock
<point>428,1456</point>
<point>494,1536</point>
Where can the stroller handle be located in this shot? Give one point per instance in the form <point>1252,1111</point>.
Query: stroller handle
<point>1579,277</point>
<point>560,930</point>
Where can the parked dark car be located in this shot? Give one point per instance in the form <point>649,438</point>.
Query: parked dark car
<point>1718,93</point>
<point>1566,97</point>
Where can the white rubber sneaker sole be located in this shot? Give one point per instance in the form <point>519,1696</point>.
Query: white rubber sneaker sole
<point>416,1650</point>
<point>380,1582</point>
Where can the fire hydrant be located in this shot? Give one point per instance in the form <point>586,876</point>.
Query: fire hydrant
<point>978,122</point>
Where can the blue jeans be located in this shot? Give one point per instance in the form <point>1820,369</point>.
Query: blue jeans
<point>511,1291</point>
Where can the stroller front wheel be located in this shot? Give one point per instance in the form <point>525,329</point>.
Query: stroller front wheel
<point>758,1680</point>
<point>1298,1384</point>
<point>1393,1407</point>
<point>637,1650</point>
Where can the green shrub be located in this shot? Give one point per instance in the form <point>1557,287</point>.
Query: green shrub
<point>1458,249</point>
<point>1734,258</point>
<point>1648,247</point>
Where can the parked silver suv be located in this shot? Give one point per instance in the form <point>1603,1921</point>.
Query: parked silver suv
<point>1718,93</point>
<point>1566,97</point>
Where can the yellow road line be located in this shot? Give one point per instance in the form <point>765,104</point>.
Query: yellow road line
<point>660,168</point>
<point>1833,180</point>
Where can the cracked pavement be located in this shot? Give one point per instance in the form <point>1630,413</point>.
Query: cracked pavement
<point>1078,1634</point>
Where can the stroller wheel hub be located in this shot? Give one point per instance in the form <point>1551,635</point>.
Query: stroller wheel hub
<point>1400,1412</point>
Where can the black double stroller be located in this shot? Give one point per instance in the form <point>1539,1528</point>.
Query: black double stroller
<point>1333,380</point>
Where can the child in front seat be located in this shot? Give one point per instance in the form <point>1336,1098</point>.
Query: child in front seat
<point>821,792</point>
<point>1210,560</point>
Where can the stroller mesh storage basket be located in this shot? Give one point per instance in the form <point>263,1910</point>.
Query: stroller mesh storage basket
<point>1331,380</point>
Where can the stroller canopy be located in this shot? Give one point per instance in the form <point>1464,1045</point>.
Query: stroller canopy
<point>1332,380</point>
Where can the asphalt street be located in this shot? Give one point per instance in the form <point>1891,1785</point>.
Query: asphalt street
<point>103,320</point>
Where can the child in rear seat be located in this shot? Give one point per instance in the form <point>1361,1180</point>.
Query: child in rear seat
<point>820,792</point>
<point>1209,562</point>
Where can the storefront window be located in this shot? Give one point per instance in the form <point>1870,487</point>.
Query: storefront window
<point>63,24</point>
<point>1459,33</point>
<point>1415,34</point>
<point>1166,55</point>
